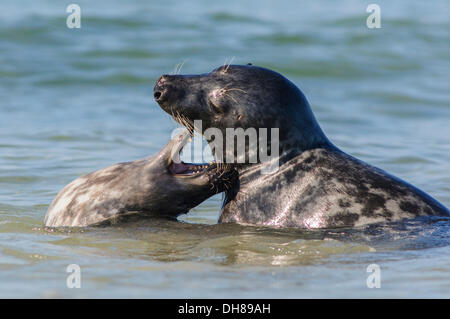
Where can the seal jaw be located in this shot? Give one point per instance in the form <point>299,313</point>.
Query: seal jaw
<point>180,169</point>
<point>190,169</point>
<point>215,176</point>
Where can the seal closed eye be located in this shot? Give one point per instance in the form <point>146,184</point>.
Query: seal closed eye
<point>317,185</point>
<point>157,186</point>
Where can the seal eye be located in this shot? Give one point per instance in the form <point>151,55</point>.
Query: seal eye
<point>214,107</point>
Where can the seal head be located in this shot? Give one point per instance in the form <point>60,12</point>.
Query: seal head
<point>243,96</point>
<point>157,186</point>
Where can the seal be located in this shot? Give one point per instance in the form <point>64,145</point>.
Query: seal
<point>157,186</point>
<point>316,185</point>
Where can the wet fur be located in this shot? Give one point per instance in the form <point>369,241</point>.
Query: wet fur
<point>327,188</point>
<point>317,185</point>
<point>132,190</point>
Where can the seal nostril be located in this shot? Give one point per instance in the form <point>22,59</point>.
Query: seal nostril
<point>157,95</point>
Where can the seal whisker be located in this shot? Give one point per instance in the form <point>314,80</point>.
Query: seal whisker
<point>226,65</point>
<point>179,66</point>
<point>236,89</point>
<point>176,117</point>
<point>230,96</point>
<point>174,71</point>
<point>224,91</point>
<point>186,123</point>
<point>180,119</point>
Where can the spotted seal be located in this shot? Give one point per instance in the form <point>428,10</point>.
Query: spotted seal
<point>157,186</point>
<point>317,185</point>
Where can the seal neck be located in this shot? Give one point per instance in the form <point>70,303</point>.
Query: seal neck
<point>291,145</point>
<point>301,138</point>
<point>251,172</point>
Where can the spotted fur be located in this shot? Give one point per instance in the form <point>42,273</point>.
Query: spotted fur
<point>140,189</point>
<point>317,185</point>
<point>327,188</point>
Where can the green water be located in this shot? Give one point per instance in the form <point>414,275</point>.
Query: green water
<point>77,100</point>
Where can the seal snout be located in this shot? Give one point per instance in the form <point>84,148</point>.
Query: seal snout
<point>163,87</point>
<point>160,89</point>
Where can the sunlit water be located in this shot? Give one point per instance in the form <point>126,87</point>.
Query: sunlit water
<point>74,101</point>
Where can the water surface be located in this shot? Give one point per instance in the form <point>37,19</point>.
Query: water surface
<point>74,101</point>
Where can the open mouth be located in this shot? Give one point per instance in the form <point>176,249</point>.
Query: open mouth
<point>179,168</point>
<point>190,169</point>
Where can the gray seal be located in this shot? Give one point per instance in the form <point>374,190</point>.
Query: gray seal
<point>157,186</point>
<point>317,185</point>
